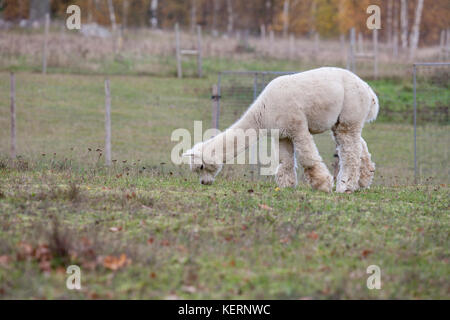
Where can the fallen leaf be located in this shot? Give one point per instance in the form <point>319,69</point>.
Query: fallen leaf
<point>115,263</point>
<point>366,252</point>
<point>312,235</point>
<point>265,207</point>
<point>5,260</point>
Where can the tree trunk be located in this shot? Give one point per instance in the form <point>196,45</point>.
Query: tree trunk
<point>38,9</point>
<point>214,17</point>
<point>395,31</point>
<point>230,17</point>
<point>193,15</point>
<point>124,14</point>
<point>112,16</point>
<point>389,22</point>
<point>404,22</point>
<point>414,41</point>
<point>285,18</point>
<point>154,14</point>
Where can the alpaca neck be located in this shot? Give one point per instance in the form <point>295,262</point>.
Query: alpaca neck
<point>237,137</point>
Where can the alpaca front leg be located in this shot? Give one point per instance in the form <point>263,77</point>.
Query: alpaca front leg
<point>316,172</point>
<point>367,170</point>
<point>286,175</point>
<point>349,152</point>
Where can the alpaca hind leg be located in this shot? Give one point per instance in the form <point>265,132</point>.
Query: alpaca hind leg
<point>367,170</point>
<point>316,172</point>
<point>286,175</point>
<point>348,139</point>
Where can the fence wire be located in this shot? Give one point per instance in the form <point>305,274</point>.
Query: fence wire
<point>431,120</point>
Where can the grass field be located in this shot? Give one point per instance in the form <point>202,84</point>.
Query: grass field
<point>146,229</point>
<point>161,236</point>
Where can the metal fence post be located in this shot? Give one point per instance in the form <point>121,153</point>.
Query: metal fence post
<point>219,80</point>
<point>178,50</point>
<point>13,116</point>
<point>415,122</point>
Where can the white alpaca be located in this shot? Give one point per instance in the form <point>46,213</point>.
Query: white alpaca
<point>299,106</point>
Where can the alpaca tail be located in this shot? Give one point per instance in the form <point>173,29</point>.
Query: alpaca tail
<point>374,106</point>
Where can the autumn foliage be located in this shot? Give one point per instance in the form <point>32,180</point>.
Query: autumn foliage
<point>328,17</point>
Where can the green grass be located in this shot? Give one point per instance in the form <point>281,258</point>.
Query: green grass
<point>236,239</point>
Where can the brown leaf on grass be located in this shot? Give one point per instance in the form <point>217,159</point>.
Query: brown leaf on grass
<point>150,240</point>
<point>284,240</point>
<point>42,253</point>
<point>366,253</point>
<point>115,263</point>
<point>312,235</point>
<point>45,266</point>
<point>265,207</point>
<point>232,263</point>
<point>5,260</point>
<point>152,275</point>
<point>25,250</point>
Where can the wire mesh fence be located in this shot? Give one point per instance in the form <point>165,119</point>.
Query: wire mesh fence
<point>431,122</point>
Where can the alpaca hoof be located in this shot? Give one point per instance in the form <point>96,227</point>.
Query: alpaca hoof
<point>286,181</point>
<point>344,187</point>
<point>366,177</point>
<point>286,177</point>
<point>325,185</point>
<point>319,178</point>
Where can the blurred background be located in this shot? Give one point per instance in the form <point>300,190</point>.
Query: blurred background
<point>162,79</point>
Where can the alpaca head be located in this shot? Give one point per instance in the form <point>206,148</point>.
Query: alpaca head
<point>202,163</point>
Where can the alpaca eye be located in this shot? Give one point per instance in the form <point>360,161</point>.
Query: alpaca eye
<point>201,167</point>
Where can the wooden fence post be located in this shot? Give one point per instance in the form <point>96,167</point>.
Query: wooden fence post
<point>215,106</point>
<point>107,123</point>
<point>360,42</point>
<point>178,50</point>
<point>442,46</point>
<point>199,51</point>
<point>343,47</point>
<point>272,42</point>
<point>13,116</point>
<point>44,54</point>
<point>291,47</point>
<point>351,54</point>
<point>263,32</point>
<point>316,44</point>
